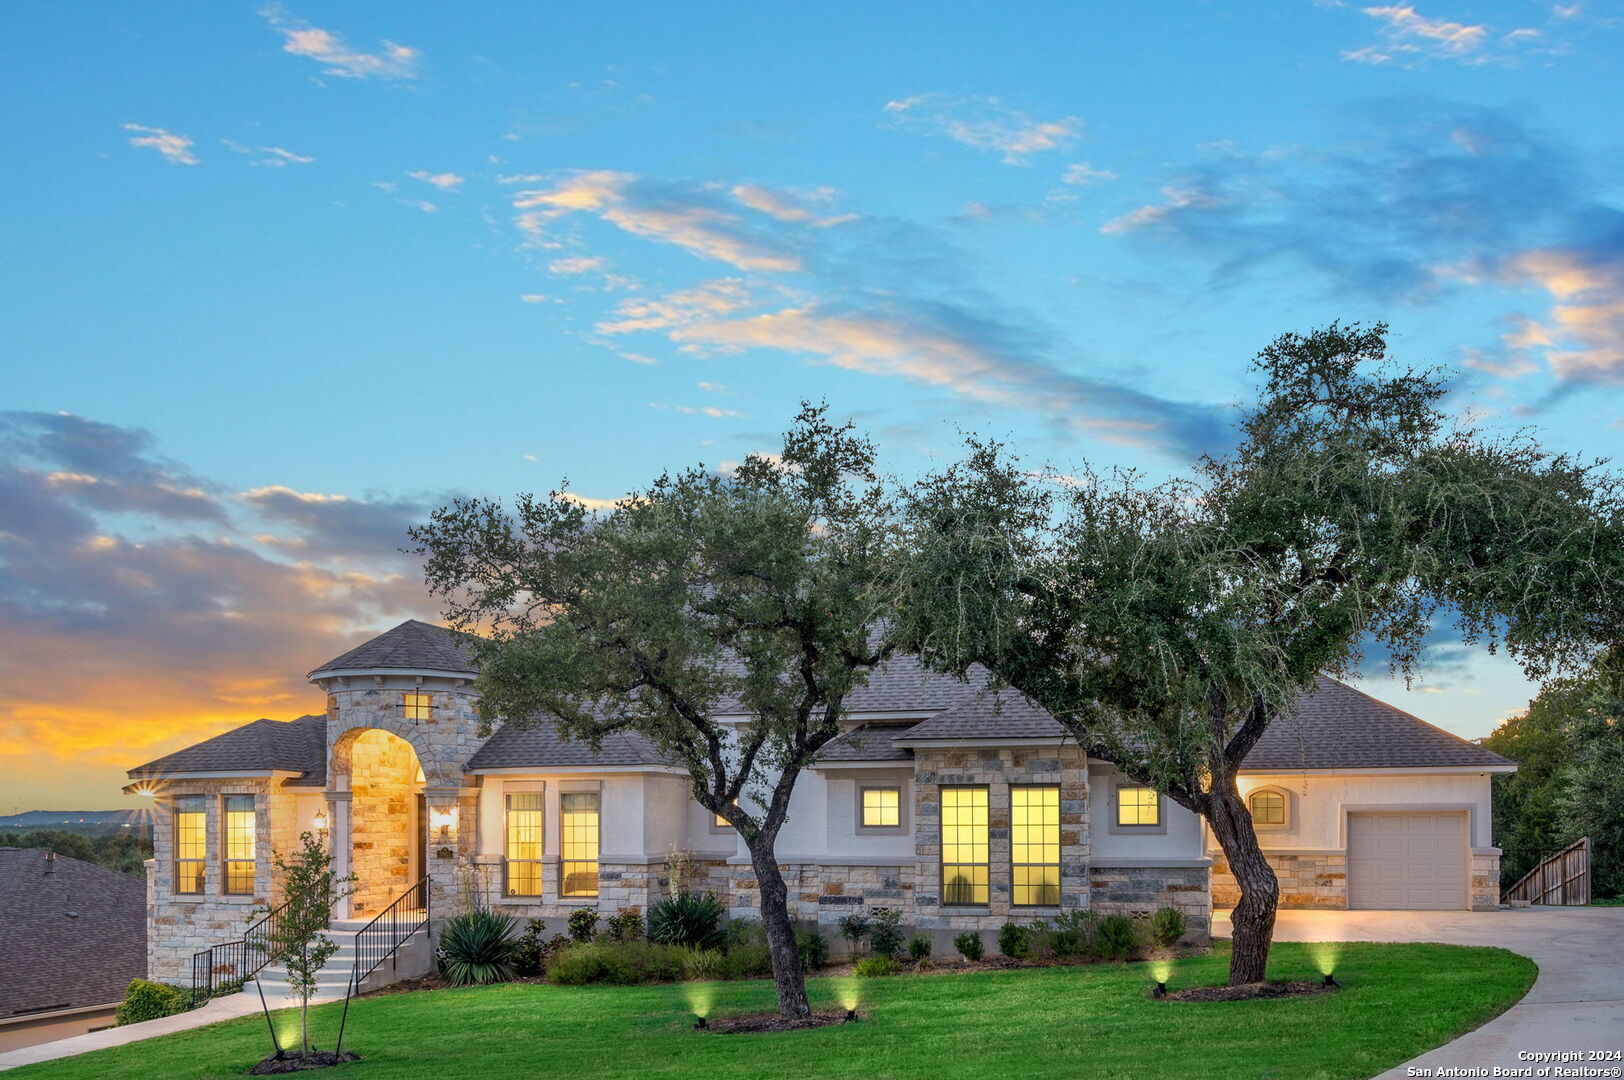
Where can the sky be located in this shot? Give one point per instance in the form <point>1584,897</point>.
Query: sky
<point>281,279</point>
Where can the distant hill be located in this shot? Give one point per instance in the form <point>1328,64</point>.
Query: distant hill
<point>56,819</point>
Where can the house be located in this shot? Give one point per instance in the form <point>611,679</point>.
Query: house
<point>962,807</point>
<point>72,936</point>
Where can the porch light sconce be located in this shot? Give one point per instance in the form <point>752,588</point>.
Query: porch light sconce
<point>320,821</point>
<point>443,820</point>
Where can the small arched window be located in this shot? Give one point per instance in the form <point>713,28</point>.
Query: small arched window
<point>1267,806</point>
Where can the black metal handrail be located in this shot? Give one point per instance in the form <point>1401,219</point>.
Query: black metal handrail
<point>381,938</point>
<point>235,961</point>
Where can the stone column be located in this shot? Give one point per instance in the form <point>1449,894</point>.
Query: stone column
<point>453,835</point>
<point>338,845</point>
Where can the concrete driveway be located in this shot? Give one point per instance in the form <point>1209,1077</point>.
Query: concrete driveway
<point>1577,1003</point>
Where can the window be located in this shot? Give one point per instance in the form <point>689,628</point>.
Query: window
<point>1138,806</point>
<point>416,706</point>
<point>1268,807</point>
<point>237,828</point>
<point>191,842</point>
<point>882,808</point>
<point>964,845</point>
<point>578,839</point>
<point>523,843</point>
<point>1034,846</point>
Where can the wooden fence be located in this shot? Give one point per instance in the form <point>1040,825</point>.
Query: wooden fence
<point>1564,878</point>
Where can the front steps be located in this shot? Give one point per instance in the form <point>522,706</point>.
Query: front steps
<point>414,958</point>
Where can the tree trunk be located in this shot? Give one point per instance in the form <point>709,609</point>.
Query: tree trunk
<point>788,979</point>
<point>1253,918</point>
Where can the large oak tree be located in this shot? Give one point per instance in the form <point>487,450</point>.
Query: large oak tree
<point>1167,626</point>
<point>723,617</point>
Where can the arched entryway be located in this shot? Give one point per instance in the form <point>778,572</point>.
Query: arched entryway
<point>379,776</point>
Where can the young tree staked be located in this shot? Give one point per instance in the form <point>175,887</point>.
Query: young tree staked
<point>298,939</point>
<point>1166,626</point>
<point>724,617</point>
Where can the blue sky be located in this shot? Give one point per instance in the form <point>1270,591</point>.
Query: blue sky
<point>283,277</point>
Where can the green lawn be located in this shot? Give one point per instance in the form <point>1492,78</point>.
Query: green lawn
<point>1055,1022</point>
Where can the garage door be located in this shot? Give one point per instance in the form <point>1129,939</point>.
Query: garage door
<point>1407,860</point>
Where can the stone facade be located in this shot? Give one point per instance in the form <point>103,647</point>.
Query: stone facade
<point>1485,880</point>
<point>997,768</point>
<point>823,892</point>
<point>1317,879</point>
<point>1140,890</point>
<point>383,812</point>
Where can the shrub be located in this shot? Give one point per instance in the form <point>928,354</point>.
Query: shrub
<point>703,963</point>
<point>627,926</point>
<point>531,950</point>
<point>744,932</point>
<point>687,918</point>
<point>744,961</point>
<point>1167,926</point>
<point>144,1000</point>
<point>1115,938</point>
<point>1014,940</point>
<point>854,927</point>
<point>477,947</point>
<point>871,967</point>
<point>969,945</point>
<point>1073,933</point>
<point>812,947</point>
<point>885,932</point>
<point>623,964</point>
<point>583,924</point>
<point>919,947</point>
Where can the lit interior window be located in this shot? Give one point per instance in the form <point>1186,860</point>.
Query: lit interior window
<point>237,821</point>
<point>882,807</point>
<point>1138,806</point>
<point>964,845</point>
<point>578,840</point>
<point>191,842</point>
<point>1268,807</point>
<point>524,843</point>
<point>1034,846</point>
<point>416,706</point>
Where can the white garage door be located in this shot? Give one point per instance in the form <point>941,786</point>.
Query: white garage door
<point>1407,860</point>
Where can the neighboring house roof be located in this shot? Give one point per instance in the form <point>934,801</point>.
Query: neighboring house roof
<point>541,746</point>
<point>1337,727</point>
<point>71,934</point>
<point>298,746</point>
<point>411,646</point>
<point>868,742</point>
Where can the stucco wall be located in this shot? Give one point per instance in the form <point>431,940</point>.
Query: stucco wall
<point>1179,839</point>
<point>1318,804</point>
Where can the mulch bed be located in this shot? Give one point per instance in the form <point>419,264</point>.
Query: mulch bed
<point>1251,991</point>
<point>757,1023</point>
<point>290,1063</point>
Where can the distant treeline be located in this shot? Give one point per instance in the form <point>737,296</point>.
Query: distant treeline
<point>123,850</point>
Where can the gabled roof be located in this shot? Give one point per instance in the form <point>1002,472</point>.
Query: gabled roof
<point>411,646</point>
<point>868,742</point>
<point>901,685</point>
<point>1337,727</point>
<point>69,938</point>
<point>541,746</point>
<point>298,746</point>
<point>1002,714</point>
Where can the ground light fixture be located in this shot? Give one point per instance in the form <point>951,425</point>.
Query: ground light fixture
<point>1331,983</point>
<point>700,1024</point>
<point>851,1016</point>
<point>1160,991</point>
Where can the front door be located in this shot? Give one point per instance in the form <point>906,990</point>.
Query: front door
<point>420,833</point>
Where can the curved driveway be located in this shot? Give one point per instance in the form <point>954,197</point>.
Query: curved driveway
<point>1576,1004</point>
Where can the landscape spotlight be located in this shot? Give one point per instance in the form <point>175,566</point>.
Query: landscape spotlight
<point>1160,991</point>
<point>851,1016</point>
<point>1330,982</point>
<point>699,1023</point>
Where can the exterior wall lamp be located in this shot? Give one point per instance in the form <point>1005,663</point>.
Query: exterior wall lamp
<point>442,820</point>
<point>320,821</point>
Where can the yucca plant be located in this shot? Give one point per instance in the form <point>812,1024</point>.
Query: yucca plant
<point>478,947</point>
<point>687,918</point>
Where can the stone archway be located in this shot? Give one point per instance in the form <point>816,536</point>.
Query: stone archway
<point>383,844</point>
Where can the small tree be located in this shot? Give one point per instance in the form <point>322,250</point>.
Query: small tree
<point>297,938</point>
<point>1167,626</point>
<point>723,617</point>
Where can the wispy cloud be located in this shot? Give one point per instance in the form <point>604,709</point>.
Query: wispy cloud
<point>709,300</point>
<point>811,207</point>
<point>575,264</point>
<point>1582,335</point>
<point>1408,37</point>
<point>691,219</point>
<point>446,181</point>
<point>985,123</point>
<point>390,61</point>
<point>274,157</point>
<point>1082,172</point>
<point>176,149</point>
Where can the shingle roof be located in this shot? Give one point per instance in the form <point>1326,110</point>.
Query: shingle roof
<point>411,646</point>
<point>868,742</point>
<point>1002,714</point>
<point>293,745</point>
<point>541,746</point>
<point>1337,727</point>
<point>71,938</point>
